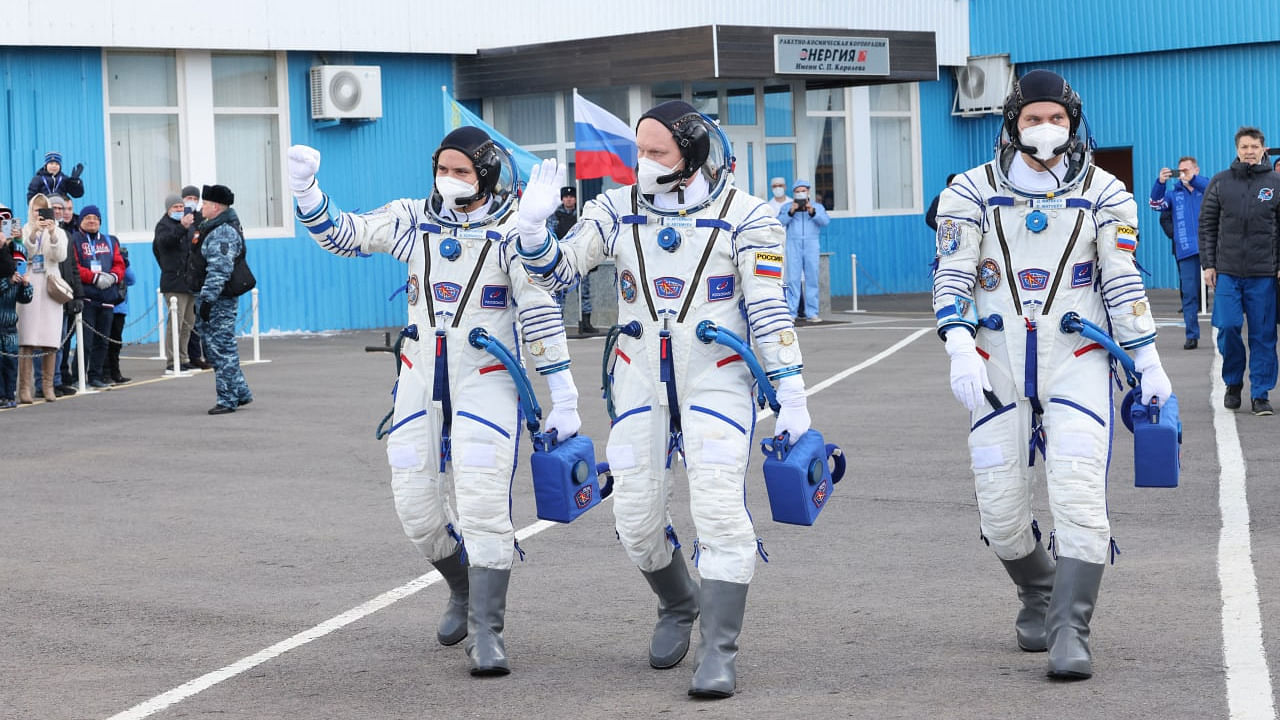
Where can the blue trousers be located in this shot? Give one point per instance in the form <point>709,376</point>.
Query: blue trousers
<point>219,335</point>
<point>8,363</point>
<point>802,272</point>
<point>1189,284</point>
<point>1235,300</point>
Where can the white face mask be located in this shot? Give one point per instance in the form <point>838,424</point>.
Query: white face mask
<point>1045,138</point>
<point>451,188</point>
<point>779,192</point>
<point>176,215</point>
<point>802,194</point>
<point>649,171</point>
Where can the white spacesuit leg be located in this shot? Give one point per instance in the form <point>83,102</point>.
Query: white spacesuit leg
<point>637,460</point>
<point>485,434</point>
<point>421,492</point>
<point>1078,418</point>
<point>718,423</point>
<point>998,452</point>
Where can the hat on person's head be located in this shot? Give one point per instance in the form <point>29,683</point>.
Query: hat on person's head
<point>170,200</point>
<point>220,194</point>
<point>568,191</point>
<point>799,183</point>
<point>778,181</point>
<point>56,200</point>
<point>191,191</point>
<point>53,156</point>
<point>5,212</point>
<point>88,210</point>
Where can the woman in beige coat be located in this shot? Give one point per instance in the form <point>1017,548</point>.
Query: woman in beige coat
<point>40,321</point>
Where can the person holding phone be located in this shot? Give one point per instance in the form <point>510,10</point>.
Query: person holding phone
<point>804,219</point>
<point>14,289</point>
<point>1183,204</point>
<point>40,321</point>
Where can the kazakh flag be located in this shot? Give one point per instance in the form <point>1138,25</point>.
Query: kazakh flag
<point>455,116</point>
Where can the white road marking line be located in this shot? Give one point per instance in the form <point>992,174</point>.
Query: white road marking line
<point>1248,679</point>
<point>208,680</point>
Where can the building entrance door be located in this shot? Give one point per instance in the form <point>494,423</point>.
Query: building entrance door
<point>747,145</point>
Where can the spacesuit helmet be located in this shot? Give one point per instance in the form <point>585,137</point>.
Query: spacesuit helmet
<point>495,170</point>
<point>1045,86</point>
<point>702,144</point>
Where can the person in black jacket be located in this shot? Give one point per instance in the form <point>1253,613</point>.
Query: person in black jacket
<point>1240,254</point>
<point>171,249</point>
<point>49,179</point>
<point>192,217</point>
<point>70,269</point>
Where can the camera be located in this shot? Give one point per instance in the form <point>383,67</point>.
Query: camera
<point>188,209</point>
<point>6,228</point>
<point>45,213</point>
<point>1273,151</point>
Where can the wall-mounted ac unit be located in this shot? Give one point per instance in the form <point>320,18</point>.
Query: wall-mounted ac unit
<point>346,91</point>
<point>982,85</point>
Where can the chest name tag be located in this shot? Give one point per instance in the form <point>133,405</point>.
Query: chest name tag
<point>679,222</point>
<point>470,234</point>
<point>1048,203</point>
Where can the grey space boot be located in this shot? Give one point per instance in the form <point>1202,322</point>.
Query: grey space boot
<point>1033,575</point>
<point>453,624</point>
<point>1075,591</point>
<point>677,609</point>
<point>486,613</point>
<point>722,605</point>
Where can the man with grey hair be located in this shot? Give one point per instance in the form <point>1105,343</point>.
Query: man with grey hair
<point>171,249</point>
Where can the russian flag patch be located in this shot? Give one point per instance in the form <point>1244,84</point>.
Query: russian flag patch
<point>768,265</point>
<point>1127,238</point>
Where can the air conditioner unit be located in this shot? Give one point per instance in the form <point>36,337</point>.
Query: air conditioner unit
<point>346,91</point>
<point>982,85</point>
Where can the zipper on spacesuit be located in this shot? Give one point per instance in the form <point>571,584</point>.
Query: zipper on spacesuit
<point>440,394</point>
<point>1062,264</point>
<point>1030,389</point>
<point>706,255</point>
<point>475,274</point>
<point>667,376</point>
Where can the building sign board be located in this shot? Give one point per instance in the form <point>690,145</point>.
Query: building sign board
<point>830,55</point>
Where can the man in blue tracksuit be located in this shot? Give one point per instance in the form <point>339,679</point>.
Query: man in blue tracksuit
<point>804,219</point>
<point>1183,204</point>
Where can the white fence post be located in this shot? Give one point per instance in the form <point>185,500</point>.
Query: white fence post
<point>84,384</point>
<point>162,312</point>
<point>853,266</point>
<point>175,326</point>
<point>257,335</point>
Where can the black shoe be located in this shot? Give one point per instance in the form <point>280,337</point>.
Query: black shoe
<point>185,366</point>
<point>64,390</point>
<point>221,410</point>
<point>1191,344</point>
<point>1231,400</point>
<point>120,379</point>
<point>100,385</point>
<point>1262,406</point>
<point>202,364</point>
<point>245,402</point>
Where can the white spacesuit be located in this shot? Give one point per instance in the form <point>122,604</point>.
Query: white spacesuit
<point>688,247</point>
<point>1022,240</point>
<point>456,406</point>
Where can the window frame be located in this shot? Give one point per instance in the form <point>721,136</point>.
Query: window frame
<point>197,161</point>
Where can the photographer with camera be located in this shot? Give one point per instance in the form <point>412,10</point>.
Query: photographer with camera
<point>171,249</point>
<point>1183,206</point>
<point>804,219</point>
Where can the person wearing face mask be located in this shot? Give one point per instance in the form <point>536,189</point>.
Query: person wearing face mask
<point>456,418</point>
<point>1240,254</point>
<point>1036,233</point>
<point>778,195</point>
<point>804,219</point>
<point>688,247</point>
<point>172,251</point>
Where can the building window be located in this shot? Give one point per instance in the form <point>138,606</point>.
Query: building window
<point>143,116</point>
<point>893,144</point>
<point>196,117</point>
<point>825,131</point>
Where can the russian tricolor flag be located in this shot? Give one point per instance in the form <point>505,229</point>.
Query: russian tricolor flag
<point>603,144</point>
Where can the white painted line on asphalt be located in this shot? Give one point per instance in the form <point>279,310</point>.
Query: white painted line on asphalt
<point>1248,680</point>
<point>208,680</point>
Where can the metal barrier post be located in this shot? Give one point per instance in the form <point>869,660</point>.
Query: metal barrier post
<point>1204,297</point>
<point>80,371</point>
<point>174,332</point>
<point>160,310</point>
<point>257,334</point>
<point>853,266</point>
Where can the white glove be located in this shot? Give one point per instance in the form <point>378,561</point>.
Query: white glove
<point>968,371</point>
<point>104,280</point>
<point>1155,382</point>
<point>793,416</point>
<point>304,163</point>
<point>563,417</point>
<point>540,199</point>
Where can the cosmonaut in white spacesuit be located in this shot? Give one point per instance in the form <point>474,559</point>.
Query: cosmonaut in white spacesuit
<point>456,419</point>
<point>1022,240</point>
<point>688,246</point>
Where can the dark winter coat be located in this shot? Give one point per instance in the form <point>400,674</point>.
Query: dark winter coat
<point>1240,221</point>
<point>45,184</point>
<point>171,248</point>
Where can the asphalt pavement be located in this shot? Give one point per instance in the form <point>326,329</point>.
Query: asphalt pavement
<point>160,562</point>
